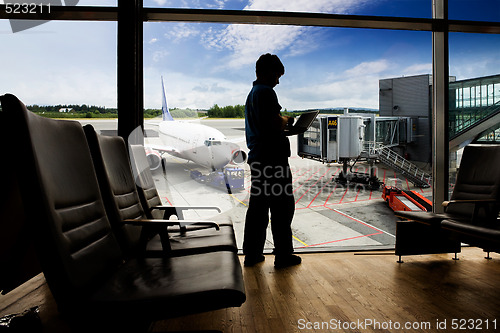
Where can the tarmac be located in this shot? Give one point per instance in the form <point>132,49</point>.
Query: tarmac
<point>328,216</point>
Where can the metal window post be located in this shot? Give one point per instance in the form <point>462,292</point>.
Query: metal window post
<point>440,105</point>
<point>130,68</point>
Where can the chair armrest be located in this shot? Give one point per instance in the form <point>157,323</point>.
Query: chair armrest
<point>478,201</point>
<point>170,223</point>
<point>186,207</point>
<point>478,204</point>
<point>177,210</point>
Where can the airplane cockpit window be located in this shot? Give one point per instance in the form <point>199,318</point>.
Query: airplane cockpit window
<point>212,142</point>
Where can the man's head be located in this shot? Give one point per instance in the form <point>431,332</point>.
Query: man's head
<point>269,69</point>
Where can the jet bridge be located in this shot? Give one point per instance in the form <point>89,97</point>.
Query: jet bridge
<point>334,138</point>
<point>354,137</point>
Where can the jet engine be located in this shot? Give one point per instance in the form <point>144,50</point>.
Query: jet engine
<point>154,159</point>
<point>239,157</point>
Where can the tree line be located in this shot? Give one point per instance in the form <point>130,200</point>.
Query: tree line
<point>92,111</point>
<point>230,111</point>
<point>216,111</point>
<point>238,111</point>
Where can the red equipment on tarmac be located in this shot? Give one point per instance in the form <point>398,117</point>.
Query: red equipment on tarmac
<point>401,200</point>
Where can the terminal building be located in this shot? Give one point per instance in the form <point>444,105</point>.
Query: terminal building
<point>474,107</point>
<point>401,136</point>
<point>404,123</point>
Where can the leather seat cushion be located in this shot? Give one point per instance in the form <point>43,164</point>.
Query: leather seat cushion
<point>169,287</point>
<point>199,241</point>
<point>489,232</point>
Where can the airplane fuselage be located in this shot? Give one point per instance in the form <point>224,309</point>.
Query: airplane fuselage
<point>204,145</point>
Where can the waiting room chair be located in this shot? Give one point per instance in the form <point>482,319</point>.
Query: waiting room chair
<point>476,196</point>
<point>142,235</point>
<point>89,276</point>
<point>149,196</point>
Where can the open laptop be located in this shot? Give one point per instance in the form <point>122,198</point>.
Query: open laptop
<point>302,124</point>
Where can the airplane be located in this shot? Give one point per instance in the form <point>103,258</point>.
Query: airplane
<point>204,145</point>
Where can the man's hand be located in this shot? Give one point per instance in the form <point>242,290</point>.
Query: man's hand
<point>286,122</point>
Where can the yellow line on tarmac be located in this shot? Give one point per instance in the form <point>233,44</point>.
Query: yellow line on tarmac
<point>241,202</point>
<point>298,240</point>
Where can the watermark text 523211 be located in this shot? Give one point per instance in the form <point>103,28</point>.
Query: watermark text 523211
<point>27,8</point>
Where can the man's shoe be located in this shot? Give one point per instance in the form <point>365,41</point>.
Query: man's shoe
<point>287,261</point>
<point>252,261</point>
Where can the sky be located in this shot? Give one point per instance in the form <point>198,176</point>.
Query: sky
<point>204,64</point>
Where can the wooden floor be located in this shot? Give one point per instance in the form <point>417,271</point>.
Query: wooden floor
<point>338,292</point>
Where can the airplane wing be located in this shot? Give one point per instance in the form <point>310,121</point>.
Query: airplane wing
<point>163,149</point>
<point>237,140</point>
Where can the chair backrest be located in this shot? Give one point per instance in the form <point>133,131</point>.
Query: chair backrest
<point>116,181</point>
<point>62,201</point>
<point>478,178</point>
<point>145,183</point>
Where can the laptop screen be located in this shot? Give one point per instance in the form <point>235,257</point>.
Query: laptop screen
<point>305,120</point>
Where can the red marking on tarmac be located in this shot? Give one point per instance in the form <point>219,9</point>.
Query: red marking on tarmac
<point>308,206</point>
<point>330,195</point>
<point>349,238</point>
<point>168,201</point>
<point>355,219</point>
<point>311,186</point>
<point>339,240</point>
<point>346,190</point>
<point>305,182</point>
<point>356,199</point>
<point>302,175</point>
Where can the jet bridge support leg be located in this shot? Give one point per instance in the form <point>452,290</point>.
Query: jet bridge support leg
<point>352,177</point>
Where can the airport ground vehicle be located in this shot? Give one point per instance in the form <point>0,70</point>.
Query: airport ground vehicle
<point>230,179</point>
<point>405,200</point>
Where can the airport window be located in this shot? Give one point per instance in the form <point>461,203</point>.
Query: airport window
<point>350,76</point>
<point>474,10</point>
<point>63,68</point>
<point>107,3</point>
<point>411,8</point>
<point>473,98</point>
<point>326,68</point>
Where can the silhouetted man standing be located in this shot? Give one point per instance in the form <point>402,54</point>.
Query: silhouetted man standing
<point>272,189</point>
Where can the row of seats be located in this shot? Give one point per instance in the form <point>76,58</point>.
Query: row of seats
<point>472,214</point>
<point>120,191</point>
<point>105,255</point>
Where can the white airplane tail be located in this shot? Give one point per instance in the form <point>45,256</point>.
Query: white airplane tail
<point>164,108</point>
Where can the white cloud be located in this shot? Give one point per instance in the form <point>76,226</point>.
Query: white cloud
<point>346,92</point>
<point>182,31</point>
<point>368,68</point>
<point>195,92</point>
<point>354,87</point>
<point>51,88</point>
<point>248,42</point>
<point>160,2</point>
<point>160,55</point>
<point>417,69</point>
<point>318,6</point>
